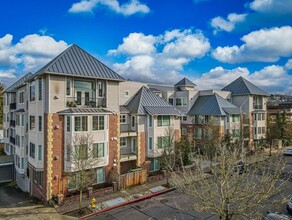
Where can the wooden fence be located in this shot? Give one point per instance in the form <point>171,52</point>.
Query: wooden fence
<point>129,179</point>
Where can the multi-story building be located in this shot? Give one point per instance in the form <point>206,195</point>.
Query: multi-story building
<point>251,101</point>
<point>72,96</point>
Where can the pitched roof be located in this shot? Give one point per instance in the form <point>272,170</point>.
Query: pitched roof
<point>185,82</point>
<point>213,105</point>
<point>241,86</point>
<point>146,102</point>
<point>75,61</point>
<point>18,83</point>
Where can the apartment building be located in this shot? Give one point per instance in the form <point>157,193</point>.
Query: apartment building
<point>72,96</point>
<point>252,102</point>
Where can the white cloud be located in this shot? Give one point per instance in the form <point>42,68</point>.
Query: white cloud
<point>272,78</point>
<point>288,65</point>
<point>221,24</point>
<point>159,58</point>
<point>262,45</point>
<point>129,8</point>
<point>7,74</point>
<point>272,6</point>
<point>33,51</point>
<point>136,43</point>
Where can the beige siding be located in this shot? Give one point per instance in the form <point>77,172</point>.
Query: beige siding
<point>113,96</point>
<point>131,88</point>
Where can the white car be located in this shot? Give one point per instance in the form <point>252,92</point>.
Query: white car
<point>277,216</point>
<point>288,151</point>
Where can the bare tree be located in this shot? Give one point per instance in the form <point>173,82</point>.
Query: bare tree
<point>82,157</point>
<point>232,192</point>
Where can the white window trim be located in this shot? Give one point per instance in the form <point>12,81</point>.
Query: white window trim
<point>125,119</point>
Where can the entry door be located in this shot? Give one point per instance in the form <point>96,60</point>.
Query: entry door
<point>79,97</point>
<point>134,145</point>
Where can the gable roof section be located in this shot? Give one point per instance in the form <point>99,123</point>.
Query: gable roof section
<point>213,105</point>
<point>75,61</point>
<point>241,86</point>
<point>146,102</point>
<point>185,82</point>
<point>18,83</point>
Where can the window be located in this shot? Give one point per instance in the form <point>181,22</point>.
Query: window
<point>98,150</point>
<point>235,132</point>
<point>183,130</point>
<point>154,164</point>
<point>263,116</point>
<point>80,123</point>
<point>40,89</point>
<point>97,123</point>
<point>198,133</point>
<point>38,177</point>
<point>150,144</point>
<point>32,92</point>
<point>17,140</point>
<point>68,129</point>
<point>227,118</point>
<point>21,97</point>
<point>40,123</point>
<point>100,175</point>
<point>22,163</point>
<point>259,117</point>
<point>181,101</point>
<point>68,153</point>
<point>134,145</point>
<point>40,152</point>
<point>22,120</point>
<point>32,150</point>
<point>208,133</point>
<point>133,121</point>
<point>255,131</point>
<point>207,117</point>
<point>259,130</point>
<point>263,130</point>
<point>83,152</point>
<point>68,87</point>
<point>184,118</point>
<point>163,141</point>
<point>163,120</point>
<point>235,118</point>
<point>170,101</point>
<point>100,86</point>
<point>123,142</point>
<point>22,141</point>
<point>123,119</point>
<point>126,93</point>
<point>32,122</point>
<point>150,121</point>
<point>17,120</point>
<point>255,116</point>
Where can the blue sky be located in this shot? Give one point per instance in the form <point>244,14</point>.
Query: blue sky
<point>212,42</point>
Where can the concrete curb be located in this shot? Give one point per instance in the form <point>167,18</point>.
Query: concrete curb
<point>128,202</point>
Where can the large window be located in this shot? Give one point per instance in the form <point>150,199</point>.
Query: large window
<point>181,101</point>
<point>123,119</point>
<point>32,150</point>
<point>163,141</point>
<point>80,123</point>
<point>32,122</point>
<point>163,120</point>
<point>154,164</point>
<point>32,92</point>
<point>40,89</point>
<point>198,133</point>
<point>97,123</point>
<point>98,150</point>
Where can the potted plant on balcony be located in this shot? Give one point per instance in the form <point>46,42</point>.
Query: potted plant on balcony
<point>71,104</point>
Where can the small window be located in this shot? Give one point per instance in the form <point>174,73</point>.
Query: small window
<point>259,117</point>
<point>154,164</point>
<point>126,93</point>
<point>133,121</point>
<point>32,150</point>
<point>123,142</point>
<point>123,119</point>
<point>227,118</point>
<point>178,102</point>
<point>255,116</point>
<point>80,123</point>
<point>263,130</point>
<point>32,122</point>
<point>21,97</point>
<point>183,130</point>
<point>259,130</point>
<point>163,142</point>
<point>150,121</point>
<point>68,124</point>
<point>32,92</point>
<point>40,123</point>
<point>263,116</point>
<point>40,152</point>
<point>98,150</point>
<point>40,89</point>
<point>100,86</point>
<point>100,175</point>
<point>97,123</point>
<point>184,118</point>
<point>235,118</point>
<point>150,146</point>
<point>170,101</point>
<point>163,120</point>
<point>68,87</point>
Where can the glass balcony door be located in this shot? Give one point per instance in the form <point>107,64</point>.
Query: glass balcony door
<point>84,92</point>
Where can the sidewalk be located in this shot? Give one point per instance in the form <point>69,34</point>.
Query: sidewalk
<point>140,189</point>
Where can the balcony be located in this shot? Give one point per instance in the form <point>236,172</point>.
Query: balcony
<point>127,154</point>
<point>12,140</point>
<point>12,106</point>
<point>257,107</point>
<point>77,102</point>
<point>12,123</point>
<point>127,130</point>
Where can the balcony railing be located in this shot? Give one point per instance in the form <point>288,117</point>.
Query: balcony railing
<point>257,106</point>
<point>12,140</point>
<point>12,106</point>
<point>74,102</point>
<point>127,154</point>
<point>12,123</point>
<point>127,128</point>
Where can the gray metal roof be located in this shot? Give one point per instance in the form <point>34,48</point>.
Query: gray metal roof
<point>145,99</point>
<point>124,109</point>
<point>185,82</point>
<point>161,87</point>
<point>18,83</point>
<point>75,61</point>
<point>84,110</point>
<point>241,86</point>
<point>213,105</point>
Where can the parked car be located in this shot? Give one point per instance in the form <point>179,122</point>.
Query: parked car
<point>277,216</point>
<point>288,151</point>
<point>289,206</point>
<point>240,167</point>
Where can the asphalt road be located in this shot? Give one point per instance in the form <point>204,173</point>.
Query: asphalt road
<point>172,205</point>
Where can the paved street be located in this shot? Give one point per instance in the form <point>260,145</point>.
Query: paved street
<point>172,205</point>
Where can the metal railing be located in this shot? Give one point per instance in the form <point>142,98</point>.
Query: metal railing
<point>75,102</point>
<point>257,106</point>
<point>127,127</point>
